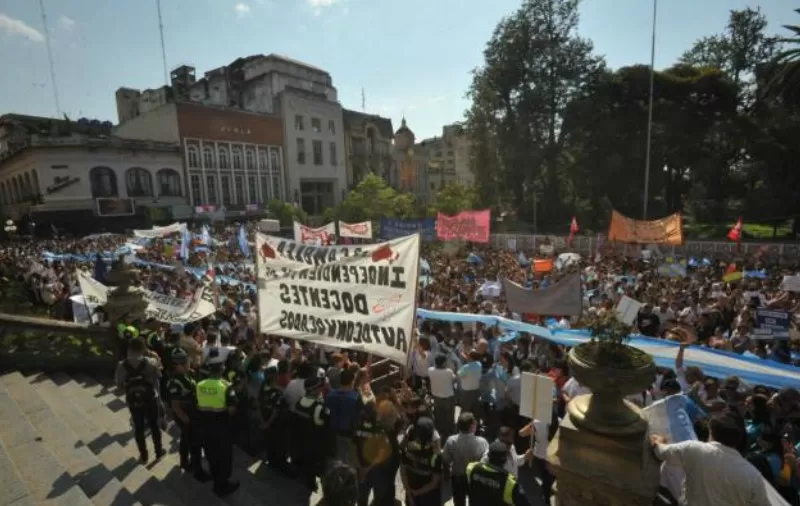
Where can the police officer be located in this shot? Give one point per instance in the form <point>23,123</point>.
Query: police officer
<point>313,430</point>
<point>216,405</point>
<point>489,484</point>
<point>274,420</point>
<point>182,387</point>
<point>125,332</point>
<point>138,375</point>
<point>373,449</point>
<point>421,465</point>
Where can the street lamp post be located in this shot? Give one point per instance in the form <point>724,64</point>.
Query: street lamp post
<point>650,112</point>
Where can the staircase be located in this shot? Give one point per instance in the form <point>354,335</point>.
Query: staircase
<point>67,440</point>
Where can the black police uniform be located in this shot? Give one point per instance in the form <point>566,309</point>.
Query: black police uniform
<point>140,395</point>
<point>181,389</point>
<point>422,463</point>
<point>273,407</point>
<point>314,434</point>
<point>491,485</point>
<point>374,450</point>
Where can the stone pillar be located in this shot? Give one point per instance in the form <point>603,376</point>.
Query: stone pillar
<point>124,302</point>
<point>601,470</point>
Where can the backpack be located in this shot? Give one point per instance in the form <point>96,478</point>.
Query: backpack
<point>138,391</point>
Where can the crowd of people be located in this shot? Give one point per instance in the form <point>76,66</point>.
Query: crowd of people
<point>454,428</point>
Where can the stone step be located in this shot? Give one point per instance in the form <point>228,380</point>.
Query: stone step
<point>116,451</point>
<point>46,480</point>
<point>265,484</point>
<point>88,472</point>
<point>104,405</point>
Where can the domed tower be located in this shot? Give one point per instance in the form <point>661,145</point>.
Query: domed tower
<point>404,137</point>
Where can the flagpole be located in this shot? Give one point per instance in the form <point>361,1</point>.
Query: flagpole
<point>650,112</point>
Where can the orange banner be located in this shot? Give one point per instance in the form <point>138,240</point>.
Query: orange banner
<point>667,230</point>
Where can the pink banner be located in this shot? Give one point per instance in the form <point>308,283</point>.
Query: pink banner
<point>467,225</point>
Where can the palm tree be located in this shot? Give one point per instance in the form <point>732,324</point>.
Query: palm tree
<point>785,81</point>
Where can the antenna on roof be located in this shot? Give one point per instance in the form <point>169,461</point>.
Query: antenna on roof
<point>50,59</point>
<point>163,47</point>
<point>363,101</point>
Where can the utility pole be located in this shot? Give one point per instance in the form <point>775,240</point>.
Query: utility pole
<point>163,46</point>
<point>363,101</point>
<point>650,112</point>
<point>50,59</point>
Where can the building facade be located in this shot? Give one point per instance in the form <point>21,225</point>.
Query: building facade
<point>410,169</point>
<point>72,179</point>
<point>231,159</point>
<point>368,142</point>
<point>314,172</point>
<point>448,158</point>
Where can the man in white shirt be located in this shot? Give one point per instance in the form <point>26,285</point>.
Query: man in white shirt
<point>443,393</point>
<point>716,473</point>
<point>514,461</point>
<point>540,431</point>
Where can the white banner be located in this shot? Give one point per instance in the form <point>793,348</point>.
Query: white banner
<point>315,236</point>
<point>163,308</point>
<point>354,297</point>
<point>361,230</point>
<point>157,232</point>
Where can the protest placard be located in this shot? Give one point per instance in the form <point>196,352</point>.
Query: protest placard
<point>467,225</point>
<point>162,308</point>
<point>317,236</point>
<point>536,397</point>
<point>361,230</point>
<point>392,228</point>
<point>628,309</point>
<point>791,283</point>
<point>355,297</point>
<point>771,324</point>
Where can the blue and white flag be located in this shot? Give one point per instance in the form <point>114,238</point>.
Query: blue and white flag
<point>186,238</point>
<point>243,242</point>
<point>205,236</point>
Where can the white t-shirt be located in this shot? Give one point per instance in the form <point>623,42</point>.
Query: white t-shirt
<point>441,382</point>
<point>293,392</point>
<point>541,431</point>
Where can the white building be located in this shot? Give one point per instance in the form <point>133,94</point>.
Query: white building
<point>314,169</point>
<point>80,181</point>
<point>448,158</point>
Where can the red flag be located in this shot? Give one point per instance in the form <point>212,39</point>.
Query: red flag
<point>731,268</point>
<point>573,229</point>
<point>735,234</point>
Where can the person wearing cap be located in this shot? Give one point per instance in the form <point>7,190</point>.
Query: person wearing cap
<point>274,417</point>
<point>182,390</point>
<point>489,484</point>
<point>421,465</point>
<point>313,430</point>
<point>216,405</point>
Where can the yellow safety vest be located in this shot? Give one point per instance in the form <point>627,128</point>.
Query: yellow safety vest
<point>211,394</point>
<point>133,330</point>
<point>510,480</point>
<point>121,330</point>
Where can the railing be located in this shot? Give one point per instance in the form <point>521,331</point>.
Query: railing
<point>589,245</point>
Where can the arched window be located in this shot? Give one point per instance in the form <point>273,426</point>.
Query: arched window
<point>169,183</point>
<point>250,158</point>
<point>3,199</point>
<point>20,188</point>
<point>139,182</point>
<point>12,192</point>
<point>224,159</point>
<point>28,185</point>
<point>237,158</point>
<point>104,182</point>
<point>36,189</point>
<point>208,157</point>
<point>193,155</point>
<point>275,161</point>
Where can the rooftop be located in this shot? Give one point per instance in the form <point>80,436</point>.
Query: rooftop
<point>357,119</point>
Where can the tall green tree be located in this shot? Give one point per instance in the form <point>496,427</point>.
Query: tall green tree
<point>372,199</point>
<point>784,74</point>
<point>454,198</point>
<point>535,65</point>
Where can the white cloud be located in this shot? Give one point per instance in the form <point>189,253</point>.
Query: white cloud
<point>17,27</point>
<point>242,9</point>
<point>67,23</point>
<point>318,5</point>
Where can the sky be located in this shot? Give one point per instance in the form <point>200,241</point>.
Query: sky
<point>412,58</point>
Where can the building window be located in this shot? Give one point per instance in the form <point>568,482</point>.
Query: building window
<point>193,156</point>
<point>277,187</point>
<point>104,182</point>
<point>28,185</point>
<point>138,182</point>
<point>169,183</point>
<point>316,125</point>
<point>252,188</point>
<point>317,145</point>
<point>301,150</point>
<point>250,158</point>
<point>237,158</point>
<point>274,160</point>
<point>37,190</point>
<point>298,122</point>
<point>208,157</point>
<point>266,196</point>
<point>197,189</point>
<point>331,126</point>
<point>262,159</point>
<point>333,154</point>
<point>211,188</point>
<point>227,199</point>
<point>224,158</point>
<point>316,197</point>
<point>240,196</point>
